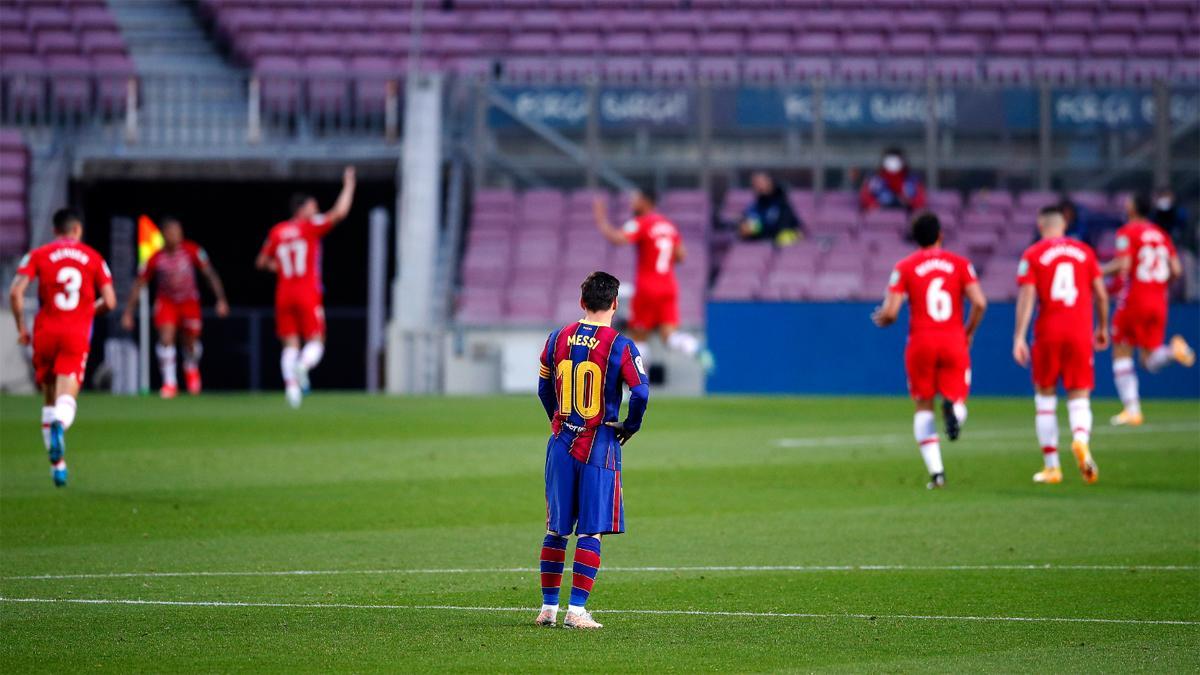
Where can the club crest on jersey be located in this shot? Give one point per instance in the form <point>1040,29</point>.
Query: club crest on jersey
<point>637,363</point>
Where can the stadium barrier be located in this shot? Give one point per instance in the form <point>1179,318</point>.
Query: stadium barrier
<point>832,348</point>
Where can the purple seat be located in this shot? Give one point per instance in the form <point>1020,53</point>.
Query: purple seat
<point>16,41</point>
<point>885,220</point>
<point>539,20</point>
<point>577,68</point>
<point>717,69</point>
<point>1156,44</point>
<point>12,17</point>
<point>909,44</point>
<point>57,42</point>
<point>1065,44</point>
<point>719,43</point>
<point>453,45</point>
<point>1036,199</point>
<point>530,44</point>
<point>1008,70</point>
<point>1015,44</point>
<point>528,69</point>
<point>93,18</point>
<point>956,69</point>
<point>858,68</point>
<point>868,20</point>
<point>772,44</point>
<point>25,81</point>
<point>1054,70</point>
<point>671,69</point>
<point>624,69</point>
<point>863,44</point>
<point>1026,21</point>
<point>672,44</point>
<point>958,45</point>
<point>979,21</point>
<point>904,69</point>
<point>991,200</point>
<point>1167,22</point>
<point>1119,22</point>
<point>102,42</point>
<point>1185,70</point>
<point>1071,22</point>
<point>919,22</point>
<point>70,82</point>
<point>1108,71</point>
<point>764,69</point>
<point>945,200</point>
<point>822,44</point>
<point>1110,44</point>
<point>576,44</point>
<point>1145,71</point>
<point>113,73</point>
<point>734,19</point>
<point>279,78</point>
<point>47,18</point>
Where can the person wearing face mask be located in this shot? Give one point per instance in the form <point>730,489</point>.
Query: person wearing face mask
<point>1172,218</point>
<point>893,186</point>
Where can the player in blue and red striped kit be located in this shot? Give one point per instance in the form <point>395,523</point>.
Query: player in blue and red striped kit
<point>582,369</point>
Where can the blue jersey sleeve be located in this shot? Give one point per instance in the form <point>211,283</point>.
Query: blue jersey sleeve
<point>633,371</point>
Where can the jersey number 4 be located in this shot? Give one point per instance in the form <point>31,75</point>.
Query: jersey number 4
<point>293,258</point>
<point>579,384</point>
<point>1062,286</point>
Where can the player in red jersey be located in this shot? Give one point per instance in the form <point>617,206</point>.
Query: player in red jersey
<point>293,252</point>
<point>1062,276</point>
<point>656,292</point>
<point>937,357</point>
<point>177,304</point>
<point>69,274</point>
<point>1146,263</point>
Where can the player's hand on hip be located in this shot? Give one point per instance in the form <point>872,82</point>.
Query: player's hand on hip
<point>127,321</point>
<point>1021,352</point>
<point>1101,338</point>
<point>622,433</point>
<point>222,309</point>
<point>24,338</point>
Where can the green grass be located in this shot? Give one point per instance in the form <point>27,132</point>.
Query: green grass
<point>240,483</point>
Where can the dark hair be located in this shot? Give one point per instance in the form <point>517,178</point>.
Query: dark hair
<point>599,290</point>
<point>1141,204</point>
<point>299,199</point>
<point>648,193</point>
<point>926,229</point>
<point>894,150</point>
<point>1052,210</point>
<point>63,219</point>
<point>168,219</point>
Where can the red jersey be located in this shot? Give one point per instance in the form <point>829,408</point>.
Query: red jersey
<point>295,245</point>
<point>1149,250</point>
<point>68,273</point>
<point>656,239</point>
<point>1063,271</point>
<point>934,281</point>
<point>175,271</point>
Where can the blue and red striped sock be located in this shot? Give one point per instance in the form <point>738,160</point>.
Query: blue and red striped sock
<point>554,552</point>
<point>587,564</point>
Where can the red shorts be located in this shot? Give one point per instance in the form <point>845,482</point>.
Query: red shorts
<point>651,310</point>
<point>60,352</point>
<point>185,315</point>
<point>299,317</point>
<point>1072,361</point>
<point>936,365</point>
<point>1144,327</point>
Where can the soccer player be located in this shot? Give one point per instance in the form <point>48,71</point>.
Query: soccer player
<point>937,357</point>
<point>293,252</point>
<point>656,293</point>
<point>177,304</point>
<point>583,366</point>
<point>69,274</point>
<point>1062,276</point>
<point>1146,263</point>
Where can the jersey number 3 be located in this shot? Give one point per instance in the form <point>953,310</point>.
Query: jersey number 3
<point>72,280</point>
<point>579,384</point>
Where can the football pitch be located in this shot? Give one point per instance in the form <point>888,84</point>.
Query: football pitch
<point>229,533</point>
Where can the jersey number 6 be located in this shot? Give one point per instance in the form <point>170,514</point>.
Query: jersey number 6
<point>579,384</point>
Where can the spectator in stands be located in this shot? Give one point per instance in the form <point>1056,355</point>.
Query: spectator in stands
<point>770,216</point>
<point>1085,224</point>
<point>1173,217</point>
<point>893,185</point>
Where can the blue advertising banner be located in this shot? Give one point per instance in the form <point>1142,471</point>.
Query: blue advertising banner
<point>847,109</point>
<point>832,348</point>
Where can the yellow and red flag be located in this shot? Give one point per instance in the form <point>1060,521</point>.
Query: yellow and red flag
<point>150,239</point>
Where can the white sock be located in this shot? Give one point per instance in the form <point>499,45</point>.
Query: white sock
<point>552,608</point>
<point>575,609</point>
<point>47,420</point>
<point>1079,412</point>
<point>311,355</point>
<point>166,363</point>
<point>684,342</point>
<point>925,431</point>
<point>1126,379</point>
<point>960,412</point>
<point>1160,357</point>
<point>1046,424</point>
<point>64,410</point>
<point>287,365</point>
<point>191,359</point>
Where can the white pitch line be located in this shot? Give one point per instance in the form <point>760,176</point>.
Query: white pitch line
<point>1046,567</point>
<point>668,612</point>
<point>867,439</point>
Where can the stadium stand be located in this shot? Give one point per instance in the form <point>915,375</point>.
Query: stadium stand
<point>60,55</point>
<point>14,193</point>
<point>765,40</point>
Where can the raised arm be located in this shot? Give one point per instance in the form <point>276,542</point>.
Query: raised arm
<point>16,300</point>
<point>1026,298</point>
<point>613,234</point>
<point>978,307</point>
<point>1100,296</point>
<point>341,207</point>
<point>886,314</point>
